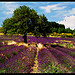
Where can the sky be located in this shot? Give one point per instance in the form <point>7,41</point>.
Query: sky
<point>60,12</point>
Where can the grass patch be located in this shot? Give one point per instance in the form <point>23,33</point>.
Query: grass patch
<point>69,46</point>
<point>53,68</point>
<point>2,71</point>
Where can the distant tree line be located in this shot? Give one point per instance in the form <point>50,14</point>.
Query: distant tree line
<point>59,28</point>
<point>25,20</point>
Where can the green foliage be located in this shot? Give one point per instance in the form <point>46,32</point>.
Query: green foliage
<point>2,71</point>
<point>0,29</point>
<point>54,30</point>
<point>62,36</point>
<point>53,69</point>
<point>73,34</point>
<point>71,54</point>
<point>7,25</point>
<point>61,30</point>
<point>4,26</point>
<point>53,27</point>
<point>14,52</point>
<point>73,31</point>
<point>70,36</point>
<point>25,20</point>
<point>68,30</point>
<point>42,25</point>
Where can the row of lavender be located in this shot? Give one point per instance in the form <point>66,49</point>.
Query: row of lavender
<point>9,51</point>
<point>53,60</point>
<point>31,39</point>
<point>5,47</point>
<point>71,52</point>
<point>19,63</point>
<point>48,39</point>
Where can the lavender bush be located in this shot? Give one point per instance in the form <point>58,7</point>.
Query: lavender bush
<point>6,47</point>
<point>20,63</point>
<point>45,58</point>
<point>9,53</point>
<point>63,58</point>
<point>70,52</point>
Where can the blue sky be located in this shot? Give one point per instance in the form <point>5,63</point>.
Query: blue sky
<point>60,12</point>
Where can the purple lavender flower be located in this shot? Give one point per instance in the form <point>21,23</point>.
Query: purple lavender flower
<point>70,52</point>
<point>21,62</point>
<point>63,58</point>
<point>45,58</point>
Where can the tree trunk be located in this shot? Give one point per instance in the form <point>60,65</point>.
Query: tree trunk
<point>25,38</point>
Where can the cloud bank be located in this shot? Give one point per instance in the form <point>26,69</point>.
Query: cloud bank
<point>69,22</point>
<point>48,8</point>
<point>9,7</point>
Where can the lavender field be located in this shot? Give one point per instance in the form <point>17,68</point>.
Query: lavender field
<point>56,55</point>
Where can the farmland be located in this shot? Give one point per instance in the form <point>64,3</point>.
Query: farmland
<point>29,43</point>
<point>38,55</point>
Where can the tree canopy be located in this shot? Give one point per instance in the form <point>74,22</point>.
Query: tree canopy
<point>23,21</point>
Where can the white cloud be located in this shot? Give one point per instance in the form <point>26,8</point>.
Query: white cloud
<point>52,7</point>
<point>39,2</point>
<point>68,22</point>
<point>7,2</point>
<point>70,12</point>
<point>9,7</point>
<point>66,12</point>
<point>60,14</point>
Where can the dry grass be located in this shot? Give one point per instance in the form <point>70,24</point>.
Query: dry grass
<point>1,34</point>
<point>22,43</point>
<point>40,46</point>
<point>15,43</point>
<point>66,41</point>
<point>11,42</point>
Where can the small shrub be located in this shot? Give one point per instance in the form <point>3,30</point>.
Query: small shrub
<point>62,35</point>
<point>2,71</point>
<point>69,46</point>
<point>28,39</point>
<point>19,50</point>
<point>5,48</point>
<point>14,52</point>
<point>68,36</point>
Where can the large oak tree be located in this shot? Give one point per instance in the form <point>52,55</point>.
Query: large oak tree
<point>25,20</point>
